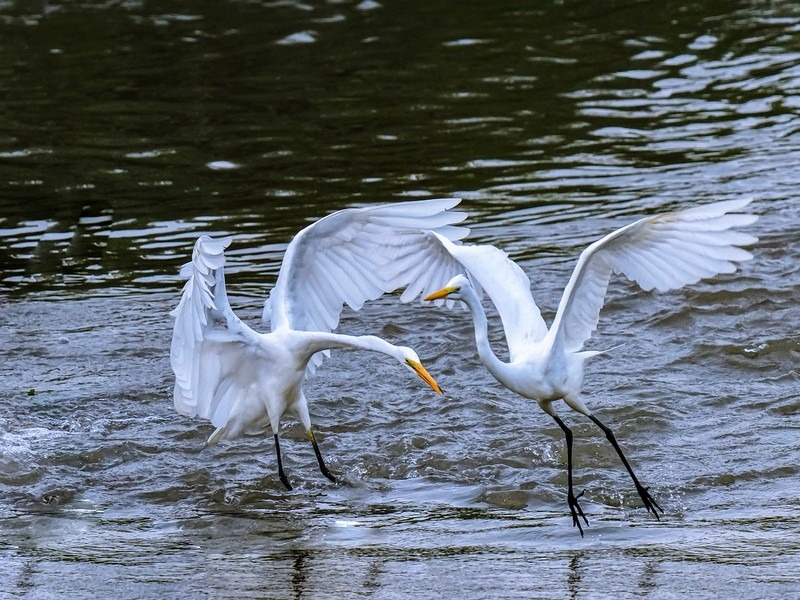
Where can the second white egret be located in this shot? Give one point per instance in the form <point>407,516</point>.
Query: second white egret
<point>664,251</point>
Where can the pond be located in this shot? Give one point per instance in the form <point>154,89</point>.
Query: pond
<point>130,128</point>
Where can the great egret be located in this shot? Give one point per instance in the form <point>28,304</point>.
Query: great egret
<point>664,251</point>
<point>240,379</point>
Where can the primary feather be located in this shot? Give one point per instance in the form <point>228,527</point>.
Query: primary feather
<point>662,252</point>
<point>210,351</point>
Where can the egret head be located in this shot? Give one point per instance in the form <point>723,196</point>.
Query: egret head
<point>454,289</point>
<point>412,362</point>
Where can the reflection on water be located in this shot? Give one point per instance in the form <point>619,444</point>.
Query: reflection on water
<point>132,127</point>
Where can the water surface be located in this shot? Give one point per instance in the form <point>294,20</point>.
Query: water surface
<point>132,127</point>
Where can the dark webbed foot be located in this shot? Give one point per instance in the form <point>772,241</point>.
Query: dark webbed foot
<point>649,502</point>
<point>577,511</point>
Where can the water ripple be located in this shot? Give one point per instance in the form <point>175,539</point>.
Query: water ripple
<point>556,124</point>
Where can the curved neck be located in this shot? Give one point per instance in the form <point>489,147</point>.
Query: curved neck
<point>317,341</point>
<point>495,366</point>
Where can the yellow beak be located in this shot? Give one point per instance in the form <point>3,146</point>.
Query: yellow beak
<point>424,375</point>
<point>442,293</point>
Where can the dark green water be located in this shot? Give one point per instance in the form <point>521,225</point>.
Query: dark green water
<point>129,128</point>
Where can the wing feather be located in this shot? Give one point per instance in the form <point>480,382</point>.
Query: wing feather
<point>661,252</point>
<point>212,350</point>
<point>424,270</point>
<point>342,284</point>
<point>362,272</point>
<point>347,257</point>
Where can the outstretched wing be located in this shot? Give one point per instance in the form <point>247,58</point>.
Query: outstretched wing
<point>664,252</point>
<point>212,350</point>
<point>342,259</point>
<point>490,270</point>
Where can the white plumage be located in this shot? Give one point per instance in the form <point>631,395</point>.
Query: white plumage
<point>350,256</point>
<point>240,379</point>
<point>237,378</point>
<point>662,252</point>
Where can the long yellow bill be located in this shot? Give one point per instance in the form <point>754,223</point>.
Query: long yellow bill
<point>442,293</point>
<point>424,375</point>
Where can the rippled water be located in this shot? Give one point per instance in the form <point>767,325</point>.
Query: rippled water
<point>131,127</point>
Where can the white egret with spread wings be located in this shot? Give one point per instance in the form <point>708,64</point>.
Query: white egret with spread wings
<point>240,379</point>
<point>662,252</point>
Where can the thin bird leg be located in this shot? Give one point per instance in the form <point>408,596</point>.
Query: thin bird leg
<point>281,474</point>
<point>321,462</point>
<point>650,504</point>
<point>572,500</point>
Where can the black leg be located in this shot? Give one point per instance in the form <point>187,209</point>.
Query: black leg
<point>281,474</point>
<point>572,500</point>
<point>321,462</point>
<point>650,504</point>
